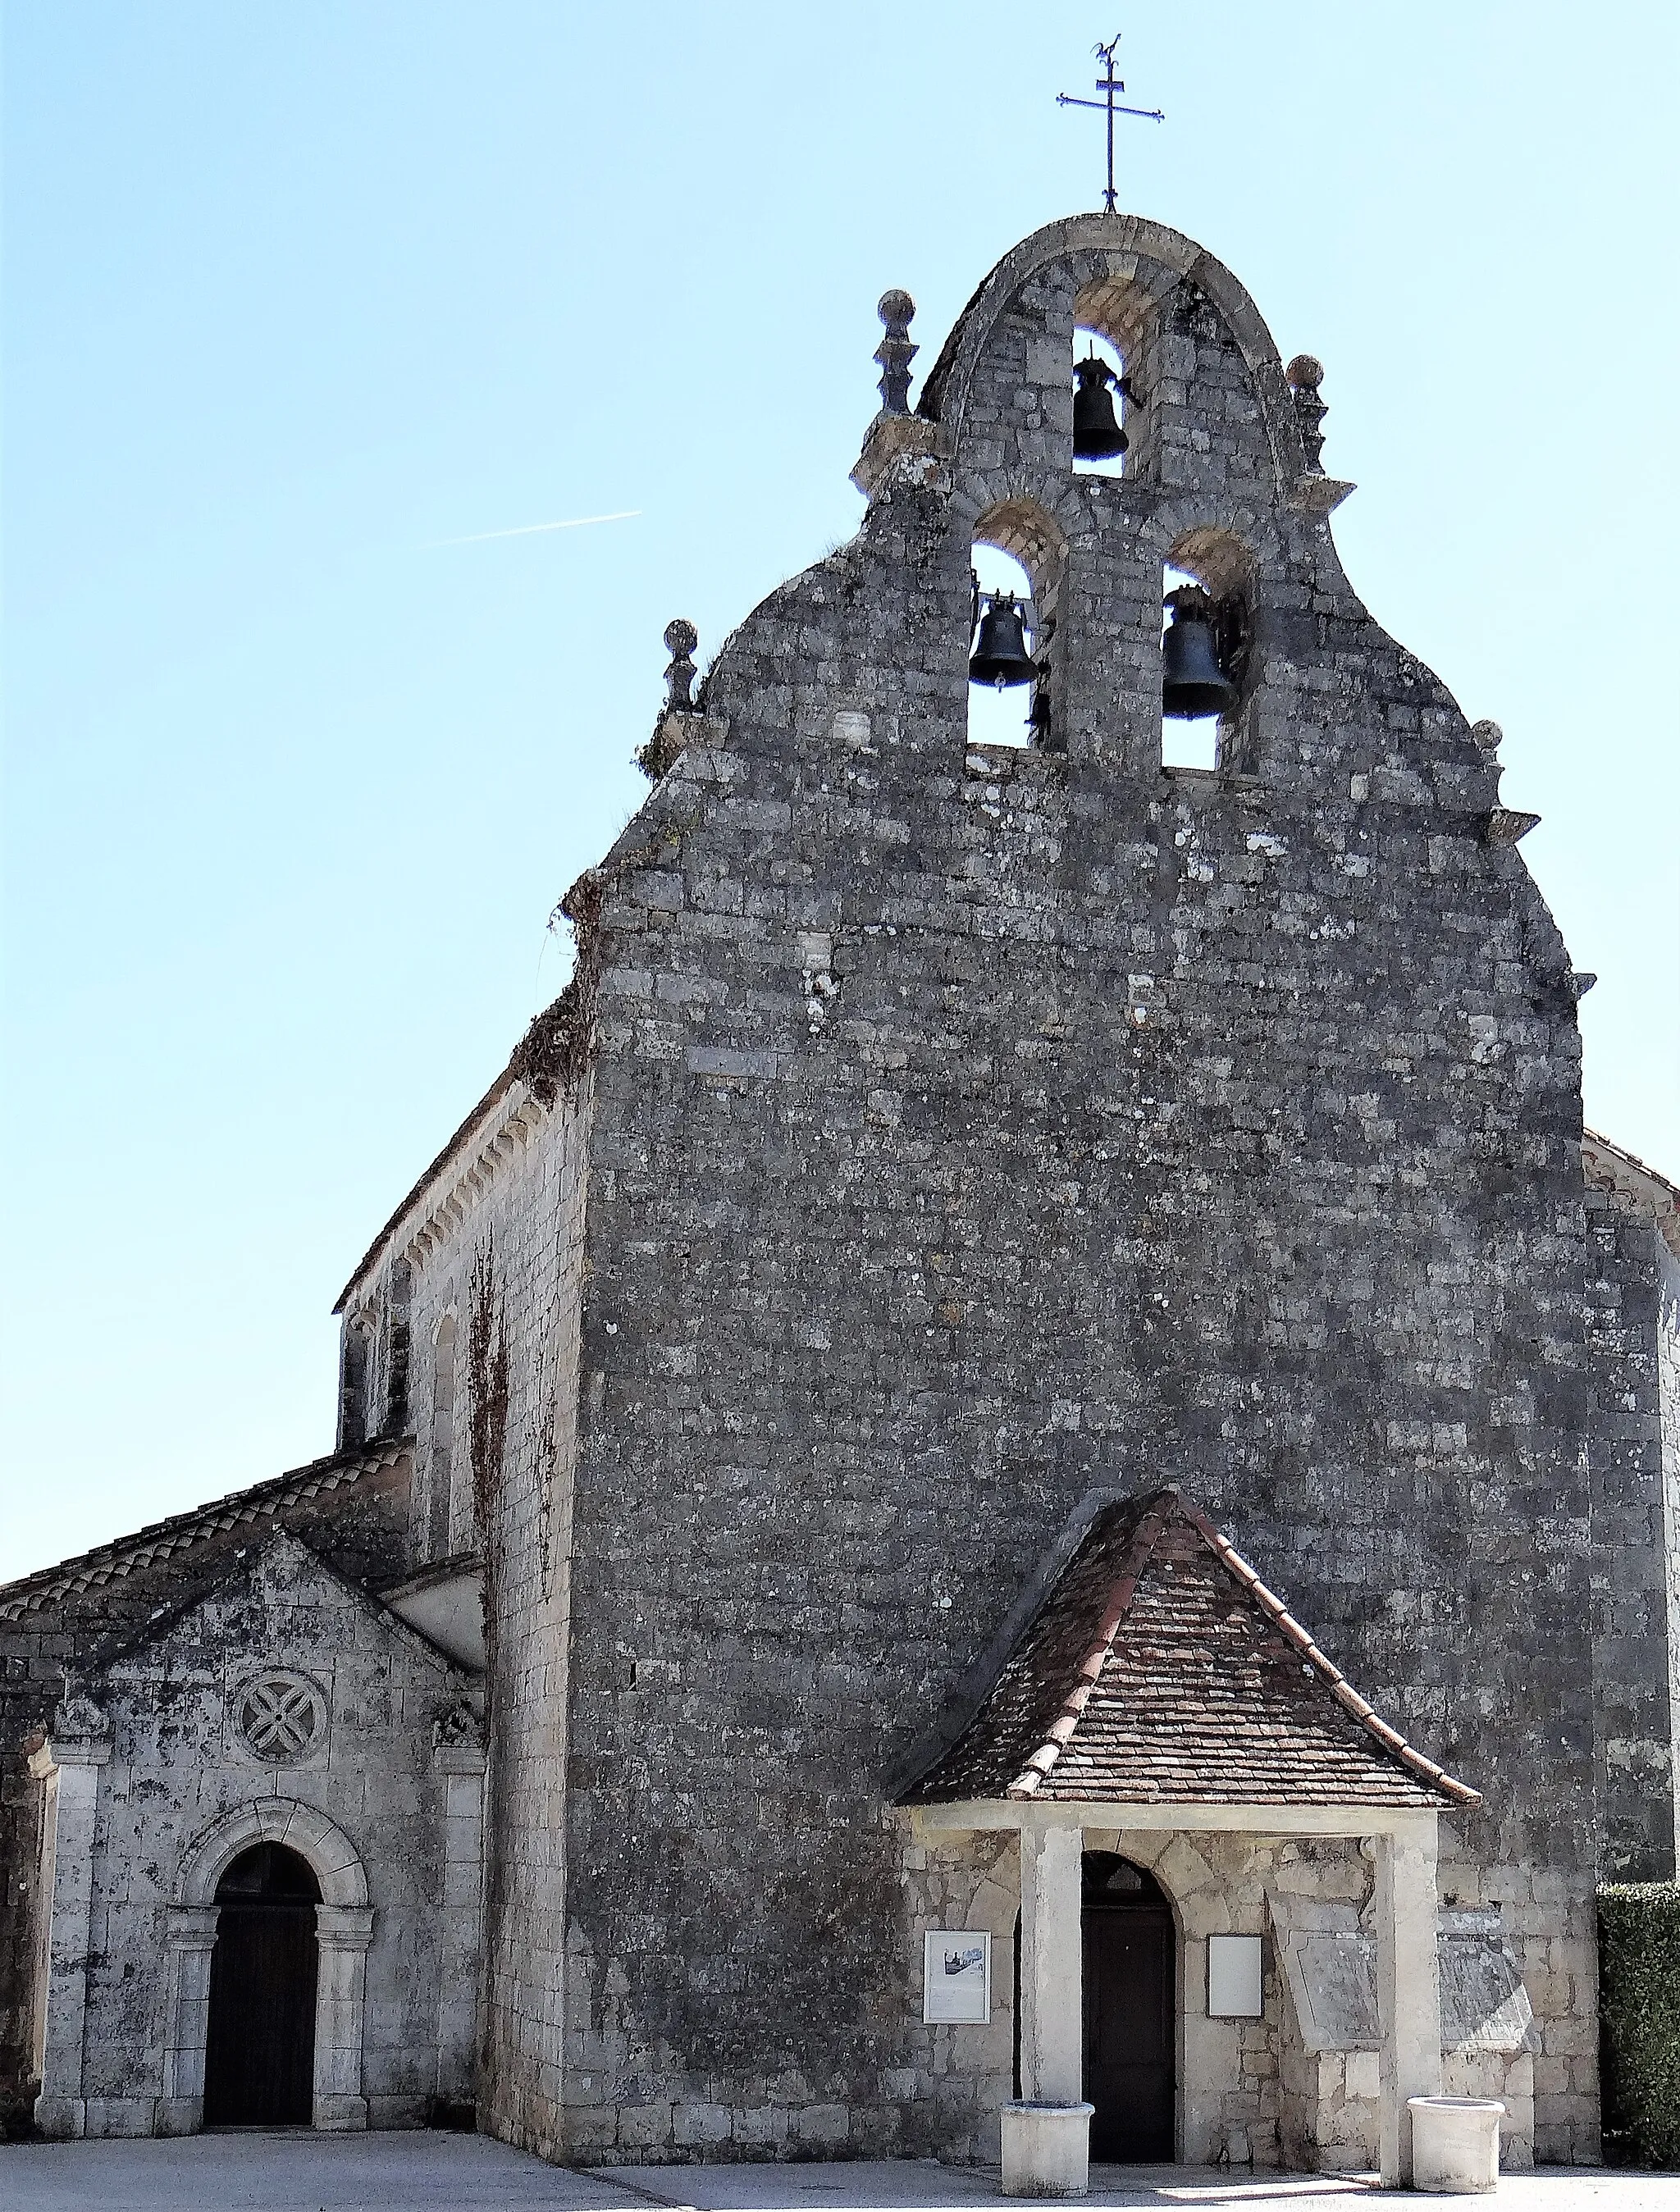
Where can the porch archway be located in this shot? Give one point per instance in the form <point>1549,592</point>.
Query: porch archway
<point>1130,1941</point>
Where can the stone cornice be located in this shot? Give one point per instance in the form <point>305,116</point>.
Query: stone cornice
<point>499,1126</point>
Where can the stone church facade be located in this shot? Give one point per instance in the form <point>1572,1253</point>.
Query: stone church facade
<point>990,1235</point>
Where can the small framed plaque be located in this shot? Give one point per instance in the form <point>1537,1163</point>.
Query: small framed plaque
<point>957,1975</point>
<point>1234,1987</point>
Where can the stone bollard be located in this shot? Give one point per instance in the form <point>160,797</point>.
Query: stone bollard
<point>1455,2144</point>
<point>1046,2149</point>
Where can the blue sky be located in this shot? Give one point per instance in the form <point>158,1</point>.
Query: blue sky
<point>293,294</point>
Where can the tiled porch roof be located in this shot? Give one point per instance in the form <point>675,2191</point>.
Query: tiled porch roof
<point>1161,1670</point>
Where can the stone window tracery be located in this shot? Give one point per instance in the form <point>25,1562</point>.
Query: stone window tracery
<point>280,1717</point>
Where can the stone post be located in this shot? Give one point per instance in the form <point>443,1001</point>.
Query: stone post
<point>68,1764</point>
<point>1052,1995</point>
<point>458,1758</point>
<point>1052,1966</point>
<point>189,1941</point>
<point>1408,1994</point>
<point>344,1933</point>
<point>1047,2135</point>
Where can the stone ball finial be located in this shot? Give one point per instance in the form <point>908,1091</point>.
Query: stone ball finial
<point>1489,736</point>
<point>1304,375</point>
<point>896,351</point>
<point>680,639</point>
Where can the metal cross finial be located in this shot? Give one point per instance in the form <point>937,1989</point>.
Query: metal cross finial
<point>1108,84</point>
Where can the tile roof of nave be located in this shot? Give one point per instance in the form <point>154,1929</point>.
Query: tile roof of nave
<point>161,1539</point>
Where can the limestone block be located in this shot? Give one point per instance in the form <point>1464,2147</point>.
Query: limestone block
<point>702,2124</point>
<point>762,2124</point>
<point>822,2124</point>
<point>1362,2076</point>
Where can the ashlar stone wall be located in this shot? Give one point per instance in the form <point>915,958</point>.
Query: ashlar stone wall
<point>179,1768</point>
<point>354,1512</point>
<point>1300,2085</point>
<point>479,1276</point>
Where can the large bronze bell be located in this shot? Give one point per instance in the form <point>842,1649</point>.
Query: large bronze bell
<point>1192,681</point>
<point>1097,433</point>
<point>1000,656</point>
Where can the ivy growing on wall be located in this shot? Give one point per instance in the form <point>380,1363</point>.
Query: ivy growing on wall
<point>487,1384</point>
<point>1639,2010</point>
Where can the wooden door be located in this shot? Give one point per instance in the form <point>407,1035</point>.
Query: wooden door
<point>1129,1978</point>
<point>259,2062</point>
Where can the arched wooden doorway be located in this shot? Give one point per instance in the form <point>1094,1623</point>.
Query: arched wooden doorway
<point>260,2059</point>
<point>1131,1980</point>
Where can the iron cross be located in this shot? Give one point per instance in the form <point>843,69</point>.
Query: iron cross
<point>1108,84</point>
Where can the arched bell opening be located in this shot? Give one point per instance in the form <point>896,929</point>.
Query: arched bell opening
<point>1017,558</point>
<point>260,2043</point>
<point>1115,318</point>
<point>1130,1941</point>
<point>1103,401</point>
<point>1207,632</point>
<point>1002,670</point>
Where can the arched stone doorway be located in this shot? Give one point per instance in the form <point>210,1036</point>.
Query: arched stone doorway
<point>343,1929</point>
<point>260,2044</point>
<point>1130,1980</point>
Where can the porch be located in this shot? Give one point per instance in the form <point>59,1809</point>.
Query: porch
<point>1156,1705</point>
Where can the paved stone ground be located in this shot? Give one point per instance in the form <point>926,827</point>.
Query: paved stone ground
<point>292,2169</point>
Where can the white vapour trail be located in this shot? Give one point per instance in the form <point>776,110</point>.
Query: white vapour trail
<point>531,529</point>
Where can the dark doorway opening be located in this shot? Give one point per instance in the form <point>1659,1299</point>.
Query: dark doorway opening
<point>259,2056</point>
<point>1130,1981</point>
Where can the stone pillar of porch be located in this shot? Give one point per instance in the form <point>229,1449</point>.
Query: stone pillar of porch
<point>68,1764</point>
<point>344,1933</point>
<point>459,1759</point>
<point>189,1942</point>
<point>1051,1996</point>
<point>1408,1996</point>
<point>1046,2136</point>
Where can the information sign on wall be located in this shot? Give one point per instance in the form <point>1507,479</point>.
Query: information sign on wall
<point>1234,1990</point>
<point>957,1975</point>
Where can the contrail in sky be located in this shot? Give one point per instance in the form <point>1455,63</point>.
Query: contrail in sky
<point>530,529</point>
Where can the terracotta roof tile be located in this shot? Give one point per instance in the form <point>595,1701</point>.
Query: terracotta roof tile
<point>1161,1670</point>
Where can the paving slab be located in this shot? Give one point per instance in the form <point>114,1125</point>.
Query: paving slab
<point>294,2170</point>
<point>923,2185</point>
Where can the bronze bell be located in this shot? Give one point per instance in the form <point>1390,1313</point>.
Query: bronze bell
<point>1097,433</point>
<point>1192,681</point>
<point>1000,656</point>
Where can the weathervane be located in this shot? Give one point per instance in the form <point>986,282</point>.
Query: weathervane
<point>1108,84</point>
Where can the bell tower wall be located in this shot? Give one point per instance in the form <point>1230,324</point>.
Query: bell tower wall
<point>973,1130</point>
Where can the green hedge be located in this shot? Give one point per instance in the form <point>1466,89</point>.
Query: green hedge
<point>1639,2013</point>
